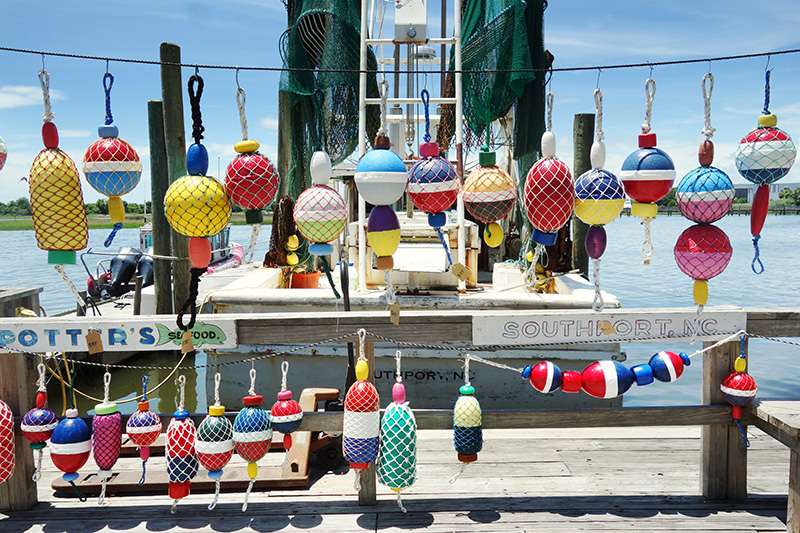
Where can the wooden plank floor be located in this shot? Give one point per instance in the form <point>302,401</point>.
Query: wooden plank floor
<point>635,479</point>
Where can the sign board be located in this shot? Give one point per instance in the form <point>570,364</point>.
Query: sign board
<point>134,335</point>
<point>563,327</point>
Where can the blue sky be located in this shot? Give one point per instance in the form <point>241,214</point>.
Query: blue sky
<point>246,33</point>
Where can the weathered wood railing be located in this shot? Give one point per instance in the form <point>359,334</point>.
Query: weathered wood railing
<point>723,461</point>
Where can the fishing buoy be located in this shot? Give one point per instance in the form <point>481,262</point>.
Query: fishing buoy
<point>546,377</point>
<point>467,425</point>
<point>4,153</point>
<point>252,433</point>
<point>59,214</point>
<point>111,166</point>
<point>38,424</point>
<point>106,437</point>
<point>739,389</point>
<point>606,379</point>
<point>70,446</point>
<point>549,197</point>
<point>320,212</point>
<point>702,252</point>
<point>383,232</point>
<point>397,462</point>
<point>361,424</point>
<point>215,441</point>
<point>286,414</point>
<point>668,366</point>
<point>381,175</point>
<point>647,174</point>
<point>143,428</point>
<point>180,450</point>
<point>705,194</point>
<point>489,195</point>
<point>764,156</point>
<point>7,457</point>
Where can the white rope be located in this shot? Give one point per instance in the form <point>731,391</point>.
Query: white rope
<point>174,507</point>
<point>708,131</point>
<point>598,122</point>
<point>362,335</point>
<point>247,494</point>
<point>549,111</point>
<point>213,503</point>
<point>650,92</point>
<point>729,338</point>
<point>217,381</point>
<point>181,383</point>
<point>530,274</point>
<point>384,90</point>
<point>357,481</point>
<point>466,370</point>
<point>469,357</point>
<point>398,374</point>
<point>598,303</point>
<point>252,390</point>
<point>42,378</point>
<point>390,296</point>
<point>106,386</point>
<point>70,285</point>
<point>696,324</point>
<point>460,471</point>
<point>284,374</point>
<point>44,81</point>
<point>37,473</point>
<point>102,496</point>
<point>251,248</point>
<point>240,104</point>
<point>400,503</point>
<point>647,246</point>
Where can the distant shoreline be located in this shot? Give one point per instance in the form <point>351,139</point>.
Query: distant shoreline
<point>104,221</point>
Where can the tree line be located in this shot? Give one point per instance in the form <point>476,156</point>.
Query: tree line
<point>21,207</point>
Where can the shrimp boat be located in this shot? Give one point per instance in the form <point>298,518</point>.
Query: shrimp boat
<point>421,276</point>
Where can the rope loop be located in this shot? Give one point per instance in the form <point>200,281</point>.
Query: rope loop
<point>384,92</point>
<point>194,102</point>
<point>708,131</point>
<point>241,97</point>
<point>190,303</point>
<point>398,375</point>
<point>217,381</point>
<point>362,337</point>
<point>180,382</point>
<point>766,91</point>
<point>549,111</point>
<point>598,123</point>
<point>42,380</point>
<point>44,81</point>
<point>757,266</point>
<point>106,385</point>
<point>252,390</point>
<point>650,93</point>
<point>426,99</point>
<point>108,82</point>
<point>390,295</point>
<point>597,304</point>
<point>284,373</point>
<point>647,245</point>
<point>145,378</point>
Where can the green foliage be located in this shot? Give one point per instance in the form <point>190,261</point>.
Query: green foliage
<point>20,207</point>
<point>740,200</point>
<point>669,200</point>
<point>792,197</point>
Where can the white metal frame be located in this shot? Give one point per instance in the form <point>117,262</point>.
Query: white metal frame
<point>363,101</point>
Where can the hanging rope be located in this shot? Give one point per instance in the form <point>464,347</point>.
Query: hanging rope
<point>426,98</point>
<point>240,100</point>
<point>384,92</point>
<point>189,304</point>
<point>549,111</point>
<point>598,122</point>
<point>251,248</point>
<point>194,102</point>
<point>70,285</point>
<point>486,98</point>
<point>756,265</point>
<point>328,275</point>
<point>37,472</point>
<point>529,276</point>
<point>108,82</point>
<point>766,92</point>
<point>44,81</point>
<point>647,245</point>
<point>650,93</point>
<point>444,245</point>
<point>390,295</point>
<point>708,131</point>
<point>597,304</point>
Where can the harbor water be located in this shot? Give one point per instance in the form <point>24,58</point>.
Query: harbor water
<point>622,273</point>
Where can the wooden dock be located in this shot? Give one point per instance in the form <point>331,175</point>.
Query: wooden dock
<point>621,479</point>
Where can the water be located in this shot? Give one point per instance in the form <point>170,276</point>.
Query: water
<point>660,284</point>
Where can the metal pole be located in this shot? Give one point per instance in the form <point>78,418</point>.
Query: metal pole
<point>362,149</point>
<point>462,230</point>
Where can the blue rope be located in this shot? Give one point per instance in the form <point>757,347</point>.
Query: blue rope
<point>107,88</point>
<point>426,98</point>
<point>444,243</point>
<point>144,472</point>
<point>745,440</point>
<point>144,387</point>
<point>114,230</point>
<point>766,95</point>
<point>756,259</point>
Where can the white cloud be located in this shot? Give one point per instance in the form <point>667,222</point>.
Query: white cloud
<point>269,123</point>
<point>12,96</point>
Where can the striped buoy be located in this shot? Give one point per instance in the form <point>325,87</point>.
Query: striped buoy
<point>286,414</point>
<point>215,441</point>
<point>381,175</point>
<point>143,428</point>
<point>467,427</point>
<point>361,425</point>
<point>397,462</point>
<point>70,446</point>
<point>252,433</point>
<point>6,442</point>
<point>38,424</point>
<point>546,377</point>
<point>489,195</point>
<point>106,437</point>
<point>606,379</point>
<point>180,450</point>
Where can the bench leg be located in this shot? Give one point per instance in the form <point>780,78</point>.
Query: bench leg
<point>793,509</point>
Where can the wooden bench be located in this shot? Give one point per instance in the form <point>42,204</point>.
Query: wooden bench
<point>780,419</point>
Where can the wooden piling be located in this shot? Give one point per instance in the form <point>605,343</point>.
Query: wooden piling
<point>175,143</point>
<point>159,183</point>
<point>582,135</point>
<point>723,461</point>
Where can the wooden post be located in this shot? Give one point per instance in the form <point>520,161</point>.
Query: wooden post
<point>284,142</point>
<point>175,142</point>
<point>137,296</point>
<point>368,493</point>
<point>793,509</point>
<point>16,377</point>
<point>80,310</point>
<point>723,463</point>
<point>159,183</point>
<point>582,135</point>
